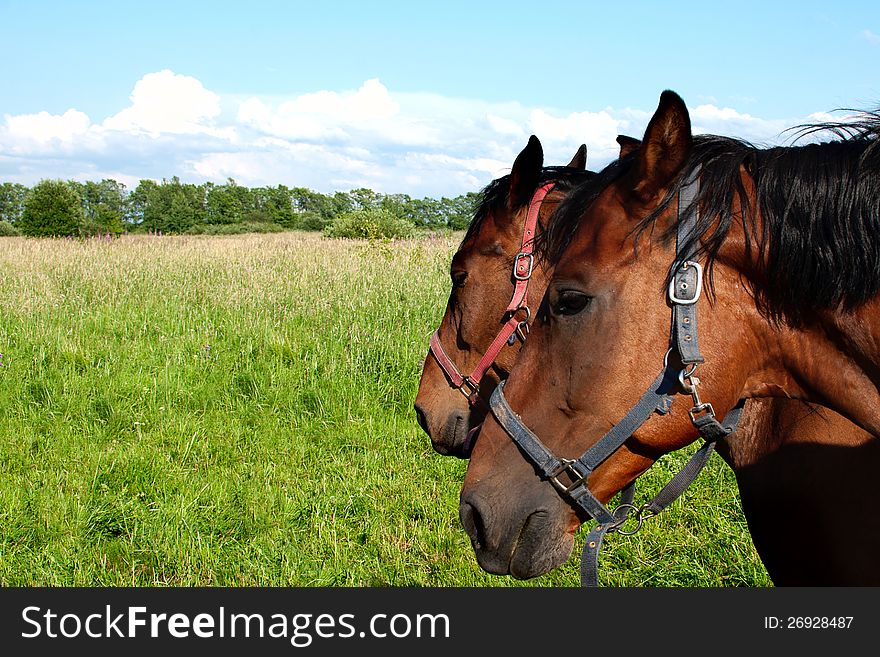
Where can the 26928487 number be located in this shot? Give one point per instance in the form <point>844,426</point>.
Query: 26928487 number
<point>818,622</point>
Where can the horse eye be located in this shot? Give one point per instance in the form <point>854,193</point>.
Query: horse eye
<point>570,302</point>
<point>458,278</point>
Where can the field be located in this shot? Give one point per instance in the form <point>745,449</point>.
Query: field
<point>237,411</point>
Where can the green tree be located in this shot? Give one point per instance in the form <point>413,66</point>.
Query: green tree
<point>398,204</point>
<point>313,210</point>
<point>170,207</point>
<point>460,210</point>
<point>104,206</point>
<point>364,199</point>
<point>137,202</point>
<point>427,212</point>
<point>51,208</point>
<point>227,204</point>
<point>12,197</point>
<point>8,230</point>
<point>342,203</point>
<point>276,203</point>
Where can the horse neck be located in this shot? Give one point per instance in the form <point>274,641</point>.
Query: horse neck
<point>771,425</point>
<point>832,358</point>
<point>833,361</point>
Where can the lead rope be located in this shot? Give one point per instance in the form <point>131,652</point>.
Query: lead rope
<point>667,495</point>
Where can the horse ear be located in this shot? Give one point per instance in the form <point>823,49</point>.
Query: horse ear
<point>627,144</point>
<point>525,174</point>
<point>664,149</point>
<point>579,161</point>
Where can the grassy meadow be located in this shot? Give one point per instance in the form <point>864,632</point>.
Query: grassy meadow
<point>237,411</point>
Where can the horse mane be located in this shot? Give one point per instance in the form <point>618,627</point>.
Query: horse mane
<point>493,197</point>
<point>812,225</point>
<point>816,232</point>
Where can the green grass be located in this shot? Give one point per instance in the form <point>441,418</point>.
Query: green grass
<point>237,411</point>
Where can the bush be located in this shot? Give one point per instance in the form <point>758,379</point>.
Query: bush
<point>8,230</point>
<point>52,209</point>
<point>308,220</point>
<point>374,223</point>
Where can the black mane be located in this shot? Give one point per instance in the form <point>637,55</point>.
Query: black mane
<point>493,197</point>
<point>817,225</point>
<point>813,225</point>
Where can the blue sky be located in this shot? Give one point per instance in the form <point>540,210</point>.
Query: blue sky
<point>424,98</point>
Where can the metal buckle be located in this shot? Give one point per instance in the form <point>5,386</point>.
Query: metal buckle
<point>519,256</point>
<point>474,387</point>
<point>699,285</point>
<point>568,466</point>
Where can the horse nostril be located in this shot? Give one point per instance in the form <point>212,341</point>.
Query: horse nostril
<point>422,419</point>
<point>472,522</point>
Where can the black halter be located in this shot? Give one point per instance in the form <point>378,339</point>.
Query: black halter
<point>571,476</point>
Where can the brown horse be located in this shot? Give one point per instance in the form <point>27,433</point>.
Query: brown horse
<point>602,295</point>
<point>472,336</point>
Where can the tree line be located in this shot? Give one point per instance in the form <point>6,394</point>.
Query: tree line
<point>65,208</point>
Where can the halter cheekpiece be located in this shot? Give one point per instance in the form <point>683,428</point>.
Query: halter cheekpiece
<point>516,316</point>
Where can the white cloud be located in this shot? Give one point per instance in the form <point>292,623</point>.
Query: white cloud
<point>421,144</point>
<point>598,130</point>
<point>711,119</point>
<point>42,129</point>
<point>322,115</point>
<point>505,126</point>
<point>371,101</point>
<point>165,102</point>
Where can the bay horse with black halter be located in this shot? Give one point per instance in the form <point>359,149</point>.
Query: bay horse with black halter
<point>604,326</point>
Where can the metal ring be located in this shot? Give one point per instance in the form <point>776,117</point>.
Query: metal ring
<point>689,388</point>
<point>618,527</point>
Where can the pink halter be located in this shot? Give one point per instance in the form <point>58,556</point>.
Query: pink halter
<point>523,264</point>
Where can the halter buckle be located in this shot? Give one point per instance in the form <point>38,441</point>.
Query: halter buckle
<point>469,388</point>
<point>673,297</point>
<point>569,467</point>
<point>530,258</point>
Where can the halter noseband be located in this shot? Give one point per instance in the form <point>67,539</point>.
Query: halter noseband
<point>516,326</point>
<point>570,476</point>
